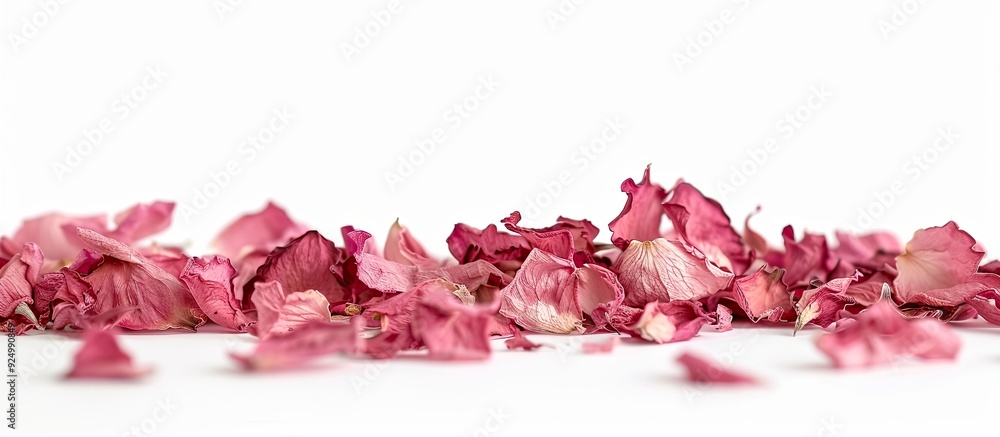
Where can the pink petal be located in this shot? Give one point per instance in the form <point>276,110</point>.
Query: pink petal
<point>724,317</point>
<point>141,221</point>
<point>669,322</point>
<point>543,295</point>
<point>601,347</point>
<point>599,292</point>
<point>985,304</point>
<point>762,295</point>
<point>702,223</point>
<point>17,278</point>
<point>519,341</point>
<point>127,279</point>
<point>279,313</point>
<point>881,335</point>
<point>452,330</point>
<point>310,341</point>
<point>661,270</point>
<point>304,264</point>
<point>558,242</point>
<point>210,281</point>
<point>502,249</point>
<point>703,371</point>
<point>937,260</point>
<point>402,248</point>
<point>822,305</point>
<point>102,357</point>
<point>643,213</point>
<point>262,230</point>
<point>806,259</point>
<point>48,233</point>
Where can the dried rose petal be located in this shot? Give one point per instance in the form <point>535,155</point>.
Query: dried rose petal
<point>724,317</point>
<point>520,341</point>
<point>601,347</point>
<point>702,223</point>
<point>279,313</point>
<point>451,329</point>
<point>668,322</point>
<point>260,231</point>
<point>102,357</point>
<point>402,248</point>
<point>703,371</point>
<point>881,335</point>
<point>938,267</point>
<point>210,281</point>
<point>822,305</point>
<point>308,342</point>
<point>661,270</point>
<point>17,278</point>
<point>126,279</point>
<point>762,295</point>
<point>304,264</point>
<point>642,215</point>
<point>504,250</point>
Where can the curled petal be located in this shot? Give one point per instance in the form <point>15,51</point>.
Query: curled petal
<point>126,279</point>
<point>278,313</point>
<point>403,248</point>
<point>543,295</point>
<point>662,270</point>
<point>304,264</point>
<point>452,330</point>
<point>502,249</point>
<point>822,305</point>
<point>762,295</point>
<point>702,223</point>
<point>142,220</point>
<point>670,322</point>
<point>642,215</point>
<point>18,277</point>
<point>210,281</point>
<point>555,241</point>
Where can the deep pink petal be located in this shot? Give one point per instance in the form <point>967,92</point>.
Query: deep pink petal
<point>702,223</point>
<point>304,264</point>
<point>502,249</point>
<point>142,220</point>
<point>642,215</point>
<point>127,279</point>
<point>558,242</point>
<point>279,313</point>
<point>822,305</point>
<point>210,281</point>
<point>452,330</point>
<point>520,341</point>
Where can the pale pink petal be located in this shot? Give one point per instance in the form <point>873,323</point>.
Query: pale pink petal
<point>762,295</point>
<point>703,371</point>
<point>601,347</point>
<point>642,215</point>
<point>308,342</point>
<point>279,313</point>
<point>669,322</point>
<point>210,281</point>
<point>599,292</point>
<point>936,261</point>
<point>403,248</point>
<point>661,270</point>
<point>881,335</point>
<point>102,357</point>
<point>543,295</point>
<point>724,319</point>
<point>142,220</point>
<point>17,278</point>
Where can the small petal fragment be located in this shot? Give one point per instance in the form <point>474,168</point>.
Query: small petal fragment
<point>102,357</point>
<point>703,371</point>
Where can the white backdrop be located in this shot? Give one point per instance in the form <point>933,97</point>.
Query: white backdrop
<point>869,114</point>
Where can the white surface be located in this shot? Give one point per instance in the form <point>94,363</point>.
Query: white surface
<point>607,59</point>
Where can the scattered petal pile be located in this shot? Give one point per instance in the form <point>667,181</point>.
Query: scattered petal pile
<point>674,264</point>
